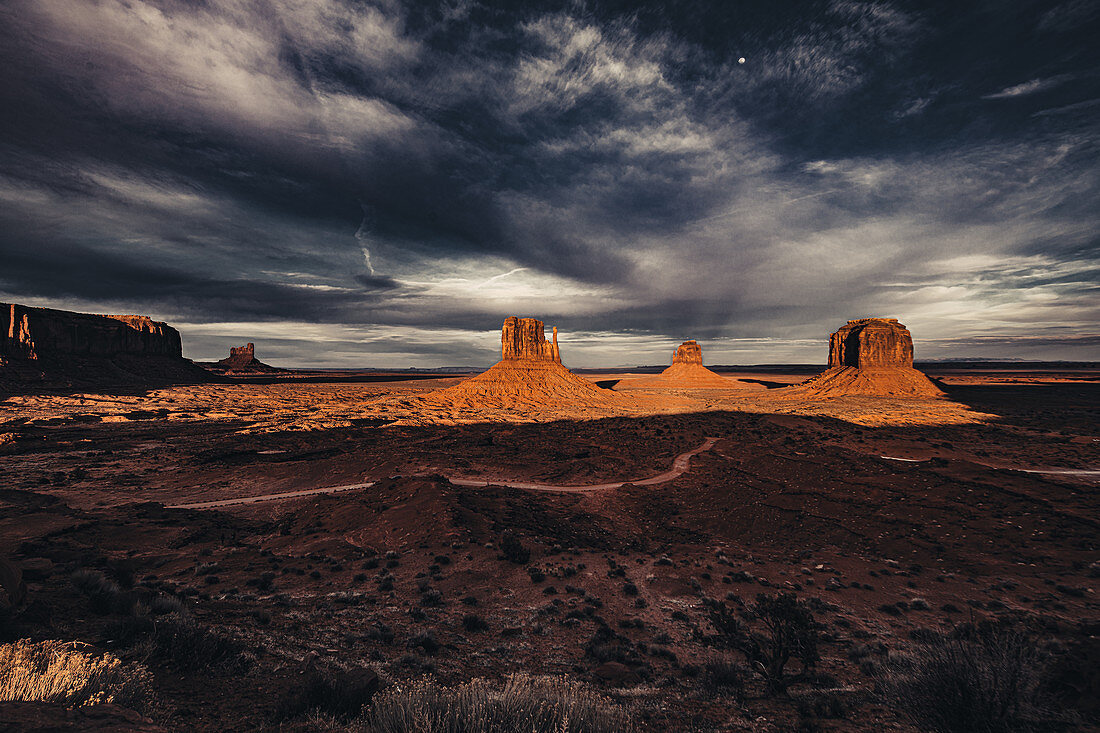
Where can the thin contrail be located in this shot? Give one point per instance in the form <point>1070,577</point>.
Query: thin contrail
<point>782,203</point>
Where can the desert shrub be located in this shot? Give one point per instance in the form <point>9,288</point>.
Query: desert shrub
<point>512,549</point>
<point>104,595</point>
<point>821,704</point>
<point>472,622</point>
<point>70,674</point>
<point>722,675</point>
<point>521,703</point>
<point>339,693</point>
<point>990,681</point>
<point>190,646</point>
<point>424,640</point>
<point>162,605</point>
<point>380,632</point>
<point>790,634</point>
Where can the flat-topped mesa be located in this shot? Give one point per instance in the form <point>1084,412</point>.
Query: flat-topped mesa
<point>524,339</point>
<point>36,333</point>
<point>44,348</point>
<point>868,356</point>
<point>688,352</point>
<point>871,342</point>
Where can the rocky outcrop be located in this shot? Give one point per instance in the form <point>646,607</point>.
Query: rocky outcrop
<point>688,352</point>
<point>523,339</point>
<point>871,342</point>
<point>37,333</point>
<point>868,356</point>
<point>242,359</point>
<point>44,348</point>
<point>686,372</point>
<point>240,355</point>
<point>528,378</point>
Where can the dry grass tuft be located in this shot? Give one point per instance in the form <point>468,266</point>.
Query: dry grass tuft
<point>522,703</point>
<point>70,674</point>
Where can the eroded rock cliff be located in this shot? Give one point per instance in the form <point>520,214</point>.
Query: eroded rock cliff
<point>871,342</point>
<point>37,333</point>
<point>688,352</point>
<point>242,359</point>
<point>524,338</point>
<point>869,356</point>
<point>50,349</point>
<point>529,377</point>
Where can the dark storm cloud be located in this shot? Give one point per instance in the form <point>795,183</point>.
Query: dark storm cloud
<point>611,166</point>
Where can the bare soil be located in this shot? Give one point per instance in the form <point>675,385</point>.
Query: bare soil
<point>894,518</point>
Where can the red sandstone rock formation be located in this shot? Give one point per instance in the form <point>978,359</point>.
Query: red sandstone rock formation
<point>529,376</point>
<point>242,354</point>
<point>47,348</point>
<point>522,338</point>
<point>687,371</point>
<point>688,352</point>
<point>243,359</point>
<point>36,333</point>
<point>871,342</point>
<point>869,356</point>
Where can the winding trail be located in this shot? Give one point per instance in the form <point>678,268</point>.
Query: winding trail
<point>1042,471</point>
<point>679,466</point>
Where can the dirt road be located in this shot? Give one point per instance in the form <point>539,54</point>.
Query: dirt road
<point>679,466</point>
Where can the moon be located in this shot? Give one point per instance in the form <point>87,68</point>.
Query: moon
<point>741,60</point>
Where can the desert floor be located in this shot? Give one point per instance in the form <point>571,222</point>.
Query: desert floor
<point>896,519</point>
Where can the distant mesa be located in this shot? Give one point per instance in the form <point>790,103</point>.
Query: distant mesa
<point>687,371</point>
<point>529,375</point>
<point>870,356</point>
<point>242,359</point>
<point>57,349</point>
<point>37,334</point>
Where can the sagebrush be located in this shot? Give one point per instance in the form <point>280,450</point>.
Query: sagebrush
<point>988,682</point>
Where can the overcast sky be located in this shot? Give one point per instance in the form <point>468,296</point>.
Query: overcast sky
<point>352,183</point>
